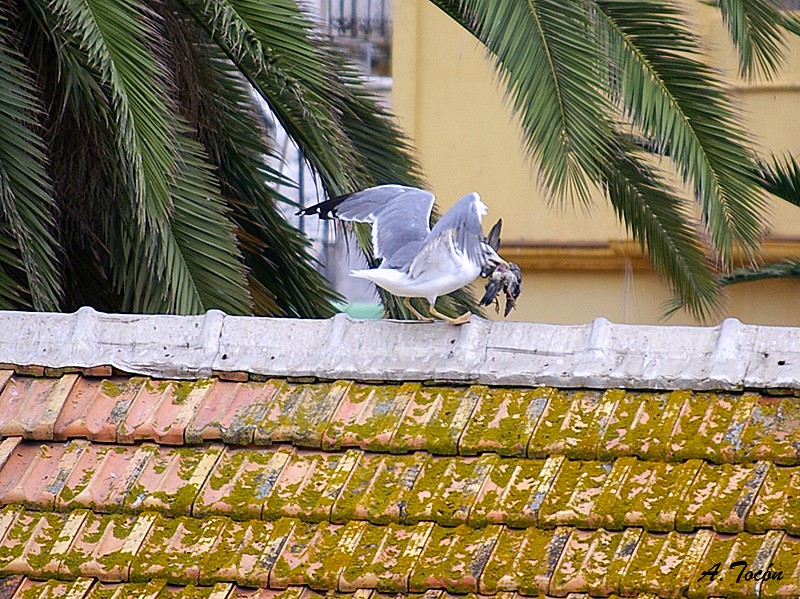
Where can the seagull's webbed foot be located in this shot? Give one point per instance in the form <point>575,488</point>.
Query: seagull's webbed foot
<point>463,319</point>
<point>413,310</point>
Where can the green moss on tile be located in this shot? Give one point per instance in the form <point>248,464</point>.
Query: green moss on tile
<point>112,389</point>
<point>435,420</point>
<point>181,390</point>
<point>503,420</point>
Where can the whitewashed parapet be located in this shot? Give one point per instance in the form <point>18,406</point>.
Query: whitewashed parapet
<point>596,355</point>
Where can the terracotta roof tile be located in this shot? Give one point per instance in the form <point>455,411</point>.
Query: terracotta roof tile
<point>30,406</point>
<point>453,559</point>
<point>241,481</point>
<point>434,420</point>
<point>96,407</point>
<point>503,420</point>
<point>299,413</point>
<point>773,432</point>
<point>308,485</point>
<point>378,488</point>
<point>230,412</point>
<point>161,411</point>
<point>330,489</point>
<point>171,479</point>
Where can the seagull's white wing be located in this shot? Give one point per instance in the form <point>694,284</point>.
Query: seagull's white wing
<point>459,229</point>
<point>399,215</point>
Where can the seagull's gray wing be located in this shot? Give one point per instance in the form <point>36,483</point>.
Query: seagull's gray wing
<point>462,225</point>
<point>399,215</point>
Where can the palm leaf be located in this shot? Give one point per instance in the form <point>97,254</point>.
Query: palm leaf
<point>678,102</point>
<point>660,221</point>
<point>26,200</point>
<point>546,56</point>
<point>756,28</point>
<point>112,35</point>
<point>780,177</point>
<point>788,269</point>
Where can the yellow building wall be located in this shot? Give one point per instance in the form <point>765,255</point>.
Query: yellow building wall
<point>578,262</point>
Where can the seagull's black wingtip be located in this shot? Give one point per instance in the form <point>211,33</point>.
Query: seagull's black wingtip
<point>326,210</point>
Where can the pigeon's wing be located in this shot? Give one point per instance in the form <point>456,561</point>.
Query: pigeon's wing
<point>493,238</point>
<point>399,215</point>
<point>460,228</point>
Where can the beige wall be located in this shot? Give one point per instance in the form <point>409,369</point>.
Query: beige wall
<point>447,98</point>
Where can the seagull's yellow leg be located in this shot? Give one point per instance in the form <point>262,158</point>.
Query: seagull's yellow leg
<point>463,319</point>
<point>407,304</point>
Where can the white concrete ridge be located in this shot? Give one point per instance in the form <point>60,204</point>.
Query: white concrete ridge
<point>597,355</point>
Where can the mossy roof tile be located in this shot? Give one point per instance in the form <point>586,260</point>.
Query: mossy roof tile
<point>523,561</point>
<point>378,487</point>
<point>773,432</point>
<point>736,555</point>
<point>368,416</point>
<point>777,504</point>
<point>312,555</point>
<point>446,488</point>
<point>568,425</point>
<point>105,545</point>
<point>640,425</point>
<point>453,559</point>
<point>176,549</point>
<point>241,481</point>
<point>434,420</point>
<point>710,426</point>
<point>385,557</point>
<point>299,413</point>
<point>665,563</point>
<point>503,420</point>
<point>245,552</point>
<point>644,494</point>
<point>570,500</point>
<point>512,493</point>
<point>230,412</point>
<point>381,489</point>
<point>593,561</point>
<point>309,484</point>
<point>721,496</point>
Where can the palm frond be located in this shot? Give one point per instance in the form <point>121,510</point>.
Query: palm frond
<point>112,35</point>
<point>756,28</point>
<point>272,43</point>
<point>546,56</point>
<point>205,235</point>
<point>780,177</point>
<point>660,221</point>
<point>282,278</point>
<point>678,101</point>
<point>788,269</point>
<point>26,199</point>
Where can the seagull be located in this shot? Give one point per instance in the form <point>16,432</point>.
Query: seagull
<point>417,261</point>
